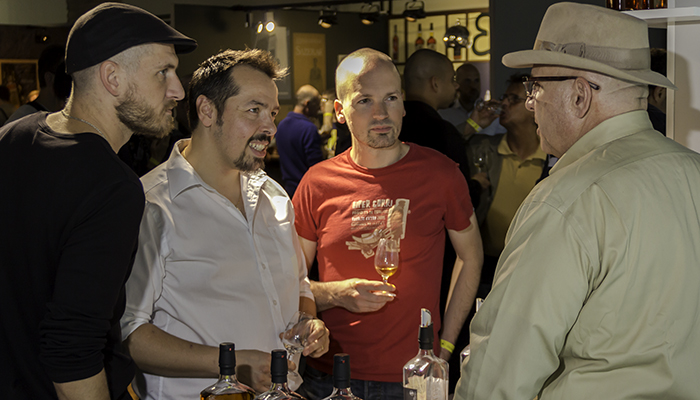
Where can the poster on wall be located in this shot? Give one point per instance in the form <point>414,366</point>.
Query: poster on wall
<point>276,43</point>
<point>309,58</point>
<point>21,77</point>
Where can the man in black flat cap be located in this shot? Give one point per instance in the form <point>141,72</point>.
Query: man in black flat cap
<point>70,209</point>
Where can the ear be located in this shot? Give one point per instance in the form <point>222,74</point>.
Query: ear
<point>111,79</point>
<point>339,112</point>
<point>659,94</point>
<point>206,112</point>
<point>434,83</point>
<point>49,77</point>
<point>582,97</point>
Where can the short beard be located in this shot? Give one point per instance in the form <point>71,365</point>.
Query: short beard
<point>244,162</point>
<point>141,119</point>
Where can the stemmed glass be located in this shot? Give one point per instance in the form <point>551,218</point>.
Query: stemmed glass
<point>295,335</point>
<point>481,157</point>
<point>386,258</point>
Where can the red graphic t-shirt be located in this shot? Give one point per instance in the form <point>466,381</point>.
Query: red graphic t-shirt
<point>346,209</point>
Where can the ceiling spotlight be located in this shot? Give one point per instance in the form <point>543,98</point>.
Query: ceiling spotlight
<point>457,36</point>
<point>328,18</point>
<point>369,14</point>
<point>414,10</point>
<point>270,21</point>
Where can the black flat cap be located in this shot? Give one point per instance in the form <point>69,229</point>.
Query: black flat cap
<point>111,28</point>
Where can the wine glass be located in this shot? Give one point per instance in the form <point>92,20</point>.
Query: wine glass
<point>481,157</point>
<point>386,258</point>
<point>295,334</point>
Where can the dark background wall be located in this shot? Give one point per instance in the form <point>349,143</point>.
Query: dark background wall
<point>514,26</point>
<point>19,42</point>
<point>217,28</point>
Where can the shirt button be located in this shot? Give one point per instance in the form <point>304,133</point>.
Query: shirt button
<point>274,302</point>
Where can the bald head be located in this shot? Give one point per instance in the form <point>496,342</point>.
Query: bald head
<point>306,93</point>
<point>357,63</point>
<point>423,65</point>
<point>469,81</point>
<point>428,77</point>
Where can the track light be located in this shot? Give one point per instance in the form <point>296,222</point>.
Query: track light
<point>369,14</point>
<point>269,21</point>
<point>328,18</point>
<point>457,36</point>
<point>414,10</point>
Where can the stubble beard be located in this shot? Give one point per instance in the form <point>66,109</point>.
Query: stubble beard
<point>143,119</point>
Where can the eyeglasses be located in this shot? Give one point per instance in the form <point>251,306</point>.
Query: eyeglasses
<point>531,83</point>
<point>512,98</point>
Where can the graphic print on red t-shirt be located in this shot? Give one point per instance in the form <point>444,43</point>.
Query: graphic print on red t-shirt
<point>373,220</point>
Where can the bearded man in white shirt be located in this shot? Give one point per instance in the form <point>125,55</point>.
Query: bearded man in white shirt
<point>218,258</point>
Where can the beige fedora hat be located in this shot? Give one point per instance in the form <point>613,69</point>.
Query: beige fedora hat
<point>592,38</point>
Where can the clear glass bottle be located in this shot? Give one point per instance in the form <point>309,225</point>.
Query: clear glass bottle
<point>341,379</point>
<point>227,387</point>
<point>278,371</point>
<point>425,377</point>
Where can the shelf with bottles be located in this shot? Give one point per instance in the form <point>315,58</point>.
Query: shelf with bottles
<point>659,18</point>
<point>406,37</point>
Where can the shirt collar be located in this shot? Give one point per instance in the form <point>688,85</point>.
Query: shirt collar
<point>607,131</point>
<point>182,176</point>
<point>504,149</point>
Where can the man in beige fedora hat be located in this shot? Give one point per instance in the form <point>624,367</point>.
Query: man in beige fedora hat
<point>597,292</point>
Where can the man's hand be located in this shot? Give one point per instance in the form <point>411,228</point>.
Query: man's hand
<point>253,369</point>
<point>362,296</point>
<point>317,339</point>
<point>483,179</point>
<point>483,117</point>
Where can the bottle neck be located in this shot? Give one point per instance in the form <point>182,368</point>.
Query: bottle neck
<point>280,386</point>
<point>426,352</point>
<point>228,378</point>
<point>342,392</point>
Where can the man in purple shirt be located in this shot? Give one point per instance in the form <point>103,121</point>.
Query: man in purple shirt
<point>298,141</point>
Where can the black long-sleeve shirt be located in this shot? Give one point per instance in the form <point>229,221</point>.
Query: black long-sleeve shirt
<point>69,219</point>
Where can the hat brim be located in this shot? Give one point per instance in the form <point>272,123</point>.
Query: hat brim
<point>529,58</point>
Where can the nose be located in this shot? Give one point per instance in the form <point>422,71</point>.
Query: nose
<point>380,111</point>
<point>175,89</point>
<point>530,103</point>
<point>269,128</point>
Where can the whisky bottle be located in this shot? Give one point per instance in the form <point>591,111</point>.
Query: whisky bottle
<point>431,40</point>
<point>395,45</point>
<point>278,371</point>
<point>425,377</point>
<point>341,379</point>
<point>419,40</point>
<point>227,387</point>
<point>457,53</point>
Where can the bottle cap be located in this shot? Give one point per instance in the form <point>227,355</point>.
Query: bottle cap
<point>426,337</point>
<point>341,371</point>
<point>278,367</point>
<point>227,358</point>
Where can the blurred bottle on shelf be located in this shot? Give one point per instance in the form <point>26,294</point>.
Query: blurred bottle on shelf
<point>395,44</point>
<point>419,40</point>
<point>431,40</point>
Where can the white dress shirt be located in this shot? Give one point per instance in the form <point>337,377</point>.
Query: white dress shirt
<point>206,274</point>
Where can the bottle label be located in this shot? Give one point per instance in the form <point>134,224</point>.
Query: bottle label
<point>410,394</point>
